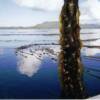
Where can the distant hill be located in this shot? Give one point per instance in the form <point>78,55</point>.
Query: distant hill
<point>44,25</point>
<point>16,27</point>
<point>53,25</point>
<point>47,25</point>
<point>90,26</point>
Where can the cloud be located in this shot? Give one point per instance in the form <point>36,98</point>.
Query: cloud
<point>49,5</point>
<point>90,9</point>
<point>94,6</point>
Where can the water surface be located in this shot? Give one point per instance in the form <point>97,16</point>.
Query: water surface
<point>32,72</point>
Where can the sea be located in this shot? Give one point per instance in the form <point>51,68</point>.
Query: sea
<point>29,63</point>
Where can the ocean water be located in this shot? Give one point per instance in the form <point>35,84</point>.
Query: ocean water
<point>29,63</point>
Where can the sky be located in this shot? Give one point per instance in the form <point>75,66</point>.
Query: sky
<point>32,12</point>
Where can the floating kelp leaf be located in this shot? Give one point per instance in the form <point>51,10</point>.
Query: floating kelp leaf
<point>70,61</point>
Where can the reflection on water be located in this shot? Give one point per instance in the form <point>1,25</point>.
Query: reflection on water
<point>32,71</point>
<point>25,80</point>
<point>43,80</point>
<point>90,51</point>
<point>28,64</point>
<point>1,51</point>
<point>38,53</point>
<point>29,60</point>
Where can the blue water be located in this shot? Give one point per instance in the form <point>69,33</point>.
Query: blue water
<point>19,78</point>
<point>44,84</point>
<point>92,76</point>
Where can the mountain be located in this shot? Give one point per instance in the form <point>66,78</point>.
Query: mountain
<point>55,24</point>
<point>16,27</point>
<point>47,25</point>
<point>90,26</point>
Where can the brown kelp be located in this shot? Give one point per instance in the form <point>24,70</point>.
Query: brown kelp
<point>70,62</point>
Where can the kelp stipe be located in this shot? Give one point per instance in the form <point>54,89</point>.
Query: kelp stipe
<point>70,66</point>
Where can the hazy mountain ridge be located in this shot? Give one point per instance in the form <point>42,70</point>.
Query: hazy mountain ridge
<point>47,25</point>
<point>50,25</point>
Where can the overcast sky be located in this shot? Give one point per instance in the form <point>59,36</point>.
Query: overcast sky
<point>31,12</point>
